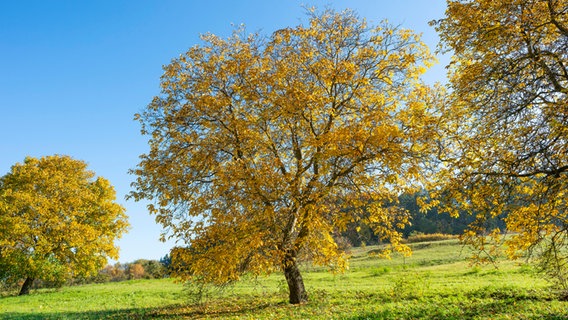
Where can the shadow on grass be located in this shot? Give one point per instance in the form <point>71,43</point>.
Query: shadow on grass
<point>466,310</point>
<point>388,315</point>
<point>173,311</point>
<point>111,314</point>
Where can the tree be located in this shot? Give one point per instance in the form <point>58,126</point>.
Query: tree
<point>153,269</point>
<point>115,273</point>
<point>135,271</point>
<point>258,143</point>
<point>166,262</point>
<point>56,221</point>
<point>505,146</point>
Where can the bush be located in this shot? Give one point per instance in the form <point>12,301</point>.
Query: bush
<point>342,242</point>
<point>421,237</point>
<point>135,271</point>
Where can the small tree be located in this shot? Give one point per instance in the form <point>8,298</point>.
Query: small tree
<point>56,221</point>
<point>117,272</point>
<point>166,262</point>
<point>258,144</point>
<point>153,269</point>
<point>135,271</point>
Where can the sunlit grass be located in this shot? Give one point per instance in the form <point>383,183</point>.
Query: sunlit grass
<point>94,298</point>
<point>437,282</point>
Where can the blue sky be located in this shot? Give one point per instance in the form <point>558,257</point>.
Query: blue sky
<point>73,74</point>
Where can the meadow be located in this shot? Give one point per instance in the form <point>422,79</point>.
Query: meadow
<point>437,282</point>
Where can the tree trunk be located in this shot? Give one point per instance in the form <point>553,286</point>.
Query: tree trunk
<point>26,286</point>
<point>296,287</point>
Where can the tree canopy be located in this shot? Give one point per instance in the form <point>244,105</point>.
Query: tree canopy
<point>262,147</point>
<point>56,221</point>
<point>505,147</point>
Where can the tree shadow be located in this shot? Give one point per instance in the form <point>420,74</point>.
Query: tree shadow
<point>490,309</point>
<point>173,311</point>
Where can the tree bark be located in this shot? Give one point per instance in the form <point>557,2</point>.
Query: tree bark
<point>26,286</point>
<point>296,287</point>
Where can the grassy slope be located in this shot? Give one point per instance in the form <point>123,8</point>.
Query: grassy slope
<point>435,283</point>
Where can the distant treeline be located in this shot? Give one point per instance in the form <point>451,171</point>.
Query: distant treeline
<point>429,222</point>
<point>139,269</point>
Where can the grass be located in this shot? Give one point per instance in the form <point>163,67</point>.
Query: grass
<point>435,283</point>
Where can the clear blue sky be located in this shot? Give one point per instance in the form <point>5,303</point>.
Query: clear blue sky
<point>73,73</point>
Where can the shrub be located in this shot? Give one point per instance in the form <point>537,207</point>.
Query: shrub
<point>421,237</point>
<point>135,271</point>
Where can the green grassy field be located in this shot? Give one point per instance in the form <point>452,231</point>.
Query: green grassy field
<point>435,283</point>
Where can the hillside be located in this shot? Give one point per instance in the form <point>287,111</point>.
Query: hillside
<point>435,283</point>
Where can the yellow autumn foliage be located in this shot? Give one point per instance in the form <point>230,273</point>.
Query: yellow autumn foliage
<point>262,147</point>
<point>504,132</point>
<point>57,221</point>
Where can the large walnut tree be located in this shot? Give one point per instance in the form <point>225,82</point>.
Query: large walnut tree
<point>261,148</point>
